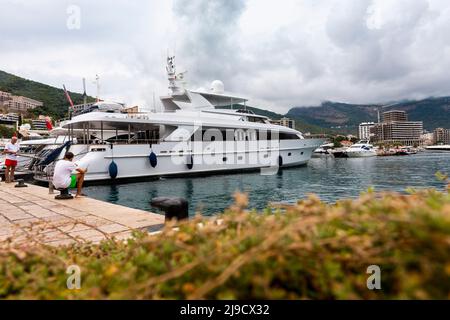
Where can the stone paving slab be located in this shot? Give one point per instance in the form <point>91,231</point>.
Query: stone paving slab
<point>32,215</point>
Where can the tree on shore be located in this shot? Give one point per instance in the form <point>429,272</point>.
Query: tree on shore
<point>6,132</point>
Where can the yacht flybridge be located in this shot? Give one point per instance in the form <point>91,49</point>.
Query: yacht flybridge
<point>192,135</point>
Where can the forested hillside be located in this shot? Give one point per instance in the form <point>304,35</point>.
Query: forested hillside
<point>55,103</point>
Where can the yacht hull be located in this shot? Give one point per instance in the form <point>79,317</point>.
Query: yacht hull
<point>133,160</point>
<point>361,154</point>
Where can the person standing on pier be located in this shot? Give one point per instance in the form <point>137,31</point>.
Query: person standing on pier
<point>11,150</point>
<point>63,177</point>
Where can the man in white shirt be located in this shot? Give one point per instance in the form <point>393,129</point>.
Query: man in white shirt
<point>11,150</point>
<point>63,177</point>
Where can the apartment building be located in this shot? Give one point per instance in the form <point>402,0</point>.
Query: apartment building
<point>396,129</point>
<point>285,122</point>
<point>364,130</point>
<point>17,104</point>
<point>441,136</point>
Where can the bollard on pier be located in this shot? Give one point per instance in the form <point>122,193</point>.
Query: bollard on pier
<point>174,208</point>
<point>20,184</point>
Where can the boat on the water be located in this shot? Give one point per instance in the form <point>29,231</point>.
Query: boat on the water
<point>198,132</point>
<point>323,151</point>
<point>361,149</point>
<point>439,148</point>
<point>339,153</point>
<point>27,155</point>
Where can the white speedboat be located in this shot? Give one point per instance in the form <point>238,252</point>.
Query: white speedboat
<point>193,135</point>
<point>361,149</point>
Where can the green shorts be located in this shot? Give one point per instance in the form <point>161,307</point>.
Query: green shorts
<point>73,181</point>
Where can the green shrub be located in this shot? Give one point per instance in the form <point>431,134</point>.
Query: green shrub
<point>308,251</point>
<point>6,132</point>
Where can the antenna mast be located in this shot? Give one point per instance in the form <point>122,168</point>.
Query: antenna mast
<point>84,93</point>
<point>171,73</point>
<point>154,104</point>
<point>176,83</point>
<point>97,82</point>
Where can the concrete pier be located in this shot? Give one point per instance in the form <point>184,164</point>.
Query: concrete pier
<point>31,215</point>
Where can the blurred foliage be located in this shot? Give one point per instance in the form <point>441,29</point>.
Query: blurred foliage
<point>310,250</point>
<point>6,132</point>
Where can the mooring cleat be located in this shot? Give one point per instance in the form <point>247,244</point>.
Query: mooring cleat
<point>64,195</point>
<point>20,184</point>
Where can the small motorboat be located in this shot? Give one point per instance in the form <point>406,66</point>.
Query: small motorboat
<point>323,151</point>
<point>361,149</point>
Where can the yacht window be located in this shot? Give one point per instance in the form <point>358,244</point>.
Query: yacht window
<point>251,134</point>
<point>239,135</point>
<point>140,137</point>
<point>255,119</point>
<point>119,138</point>
<point>288,136</point>
<point>245,111</point>
<point>228,134</point>
<point>264,135</point>
<point>214,135</point>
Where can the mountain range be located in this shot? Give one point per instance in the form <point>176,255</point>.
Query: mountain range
<point>329,117</point>
<point>434,112</point>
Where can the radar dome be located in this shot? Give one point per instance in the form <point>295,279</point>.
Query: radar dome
<point>217,86</point>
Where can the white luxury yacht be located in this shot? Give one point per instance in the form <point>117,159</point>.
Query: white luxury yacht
<point>192,135</point>
<point>361,149</point>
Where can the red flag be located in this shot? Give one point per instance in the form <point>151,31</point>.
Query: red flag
<point>48,124</point>
<point>67,96</point>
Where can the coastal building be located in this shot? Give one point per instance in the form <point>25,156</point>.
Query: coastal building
<point>5,96</point>
<point>427,138</point>
<point>81,108</point>
<point>10,116</point>
<point>394,115</point>
<point>396,129</point>
<point>285,122</point>
<point>131,110</point>
<point>364,132</point>
<point>42,123</point>
<point>9,120</point>
<point>18,104</point>
<point>94,106</point>
<point>441,136</point>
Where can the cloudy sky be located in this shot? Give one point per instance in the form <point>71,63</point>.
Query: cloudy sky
<point>279,54</point>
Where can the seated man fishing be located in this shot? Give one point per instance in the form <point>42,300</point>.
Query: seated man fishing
<point>63,177</point>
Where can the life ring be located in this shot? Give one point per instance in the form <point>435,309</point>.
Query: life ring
<point>153,159</point>
<point>190,162</point>
<point>113,170</point>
